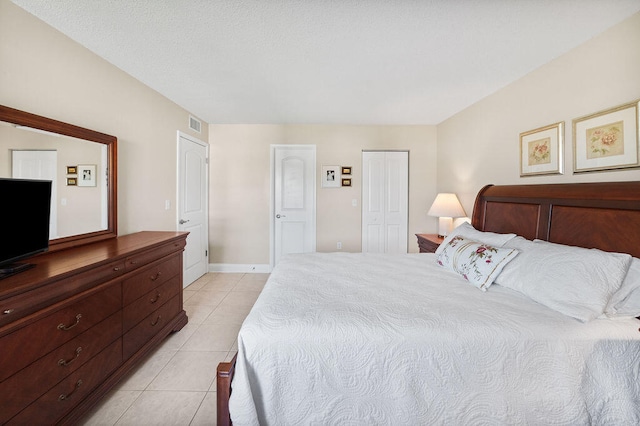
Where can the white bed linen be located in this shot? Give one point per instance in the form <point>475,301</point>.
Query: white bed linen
<point>362,339</point>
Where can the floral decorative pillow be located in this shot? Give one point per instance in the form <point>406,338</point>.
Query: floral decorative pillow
<point>467,231</point>
<point>477,262</point>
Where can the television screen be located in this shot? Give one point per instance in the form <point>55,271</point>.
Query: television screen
<point>24,219</point>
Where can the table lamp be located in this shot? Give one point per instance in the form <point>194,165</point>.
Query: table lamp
<point>446,206</point>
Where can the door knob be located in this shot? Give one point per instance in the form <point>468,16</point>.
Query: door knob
<point>278,216</point>
<point>182,221</point>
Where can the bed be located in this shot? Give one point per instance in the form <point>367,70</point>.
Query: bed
<point>351,338</point>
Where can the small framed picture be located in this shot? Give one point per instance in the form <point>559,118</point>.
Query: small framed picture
<point>607,140</point>
<point>72,181</point>
<point>87,175</point>
<point>346,182</point>
<point>72,170</point>
<point>541,150</point>
<point>346,170</point>
<point>330,176</point>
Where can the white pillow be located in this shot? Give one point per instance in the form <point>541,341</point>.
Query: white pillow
<point>476,262</point>
<point>575,281</point>
<point>626,301</point>
<point>467,231</point>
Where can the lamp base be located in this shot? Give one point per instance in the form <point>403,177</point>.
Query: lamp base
<point>445,225</point>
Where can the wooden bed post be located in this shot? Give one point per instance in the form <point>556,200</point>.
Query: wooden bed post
<point>223,386</point>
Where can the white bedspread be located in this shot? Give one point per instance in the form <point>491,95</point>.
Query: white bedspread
<point>361,339</point>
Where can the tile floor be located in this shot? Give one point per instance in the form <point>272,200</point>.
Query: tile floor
<point>176,384</point>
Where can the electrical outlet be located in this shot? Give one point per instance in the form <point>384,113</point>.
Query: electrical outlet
<point>339,245</point>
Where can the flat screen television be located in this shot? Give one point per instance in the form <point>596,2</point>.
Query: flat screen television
<point>25,210</point>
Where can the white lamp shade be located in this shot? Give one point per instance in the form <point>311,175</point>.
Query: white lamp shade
<point>446,205</point>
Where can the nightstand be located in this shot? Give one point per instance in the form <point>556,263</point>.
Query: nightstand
<point>428,243</point>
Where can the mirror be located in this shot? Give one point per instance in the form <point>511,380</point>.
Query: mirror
<point>82,165</point>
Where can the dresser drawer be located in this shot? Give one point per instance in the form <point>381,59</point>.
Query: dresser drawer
<point>59,400</point>
<point>140,308</point>
<point>145,257</point>
<point>19,390</point>
<point>151,277</point>
<point>27,303</point>
<point>46,334</point>
<point>150,326</point>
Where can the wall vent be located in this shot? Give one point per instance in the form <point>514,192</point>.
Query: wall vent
<point>195,124</point>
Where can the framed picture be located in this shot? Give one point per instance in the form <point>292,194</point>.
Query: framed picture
<point>541,150</point>
<point>346,182</point>
<point>72,181</point>
<point>71,170</point>
<point>346,170</point>
<point>87,175</point>
<point>331,176</point>
<point>606,140</point>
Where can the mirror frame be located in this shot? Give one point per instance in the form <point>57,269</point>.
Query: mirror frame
<point>22,118</point>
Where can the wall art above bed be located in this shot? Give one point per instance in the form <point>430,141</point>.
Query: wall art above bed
<point>606,140</point>
<point>541,150</point>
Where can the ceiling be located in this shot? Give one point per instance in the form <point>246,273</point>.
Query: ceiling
<point>329,61</point>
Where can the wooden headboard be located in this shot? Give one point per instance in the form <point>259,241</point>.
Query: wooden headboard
<point>599,215</point>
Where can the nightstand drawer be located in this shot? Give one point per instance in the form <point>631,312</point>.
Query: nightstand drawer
<point>428,243</point>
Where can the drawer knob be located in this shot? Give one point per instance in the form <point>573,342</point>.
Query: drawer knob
<point>64,363</point>
<point>116,268</point>
<point>63,327</point>
<point>155,299</point>
<point>67,396</point>
<point>8,311</point>
<point>156,276</point>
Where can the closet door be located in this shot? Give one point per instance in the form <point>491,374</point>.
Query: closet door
<point>385,201</point>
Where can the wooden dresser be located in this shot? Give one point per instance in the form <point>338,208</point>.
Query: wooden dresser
<point>428,243</point>
<point>76,323</point>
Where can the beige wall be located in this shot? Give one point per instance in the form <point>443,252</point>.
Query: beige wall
<point>46,73</point>
<point>240,183</point>
<point>480,145</point>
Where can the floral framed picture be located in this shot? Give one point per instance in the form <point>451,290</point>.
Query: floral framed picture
<point>331,176</point>
<point>607,140</point>
<point>541,150</point>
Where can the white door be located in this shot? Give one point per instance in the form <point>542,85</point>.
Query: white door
<point>385,201</point>
<point>294,200</point>
<point>36,164</point>
<point>193,201</point>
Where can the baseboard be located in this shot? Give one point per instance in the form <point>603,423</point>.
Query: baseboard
<point>249,268</point>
